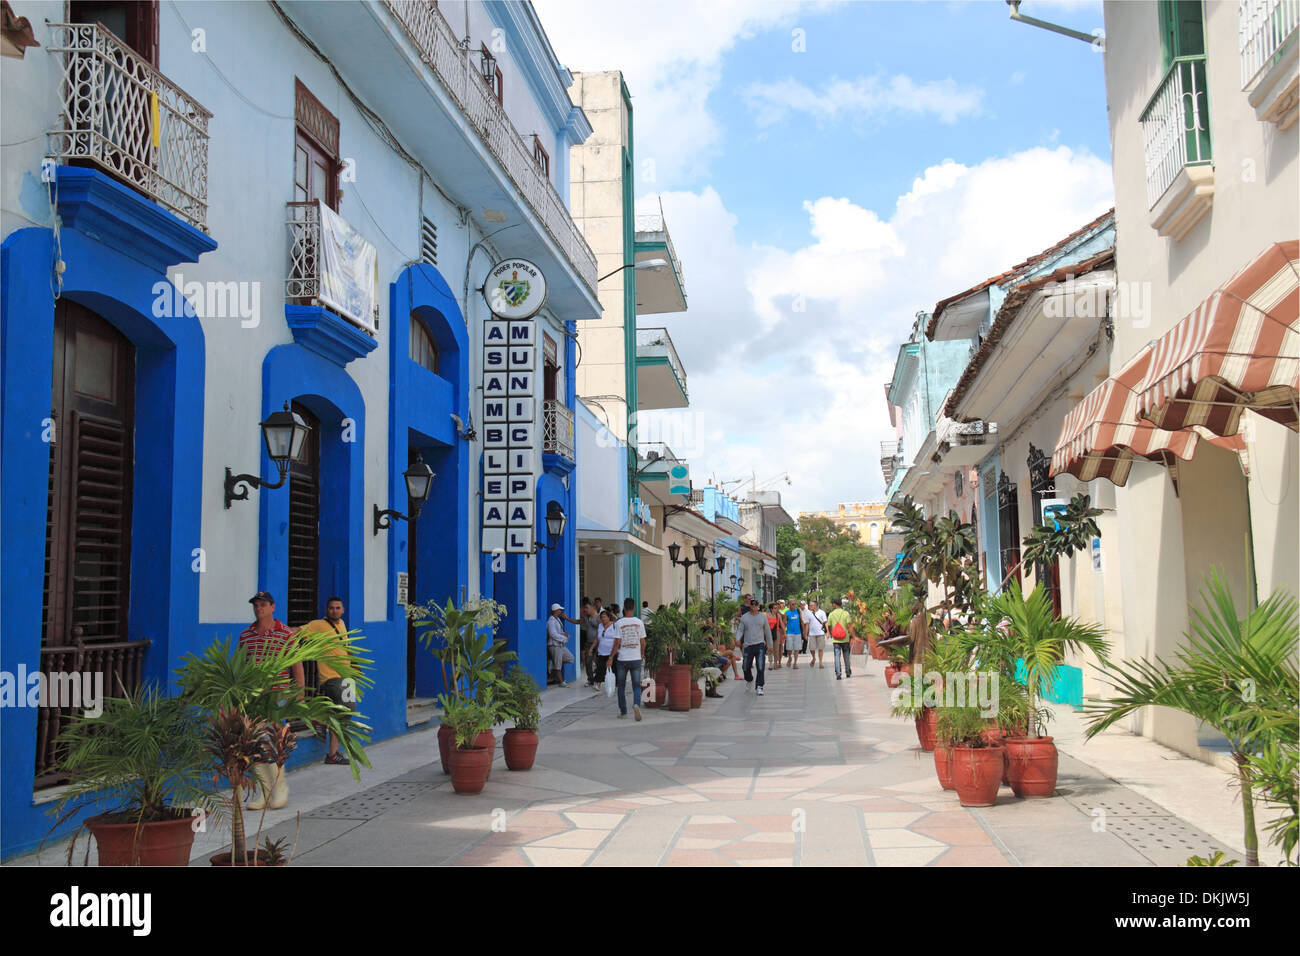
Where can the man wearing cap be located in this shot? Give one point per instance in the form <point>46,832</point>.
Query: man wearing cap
<point>264,638</point>
<point>556,638</point>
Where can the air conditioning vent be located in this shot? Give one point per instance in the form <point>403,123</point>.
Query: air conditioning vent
<point>428,241</point>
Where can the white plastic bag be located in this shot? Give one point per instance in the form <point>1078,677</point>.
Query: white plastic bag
<point>610,683</point>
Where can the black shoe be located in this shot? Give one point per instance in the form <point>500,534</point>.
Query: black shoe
<point>837,676</point>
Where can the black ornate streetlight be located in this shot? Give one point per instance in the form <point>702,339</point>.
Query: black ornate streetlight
<point>285,435</point>
<point>555,518</point>
<point>674,550</point>
<point>720,564</point>
<point>419,479</point>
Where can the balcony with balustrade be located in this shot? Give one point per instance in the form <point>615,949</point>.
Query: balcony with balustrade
<point>663,289</point>
<point>1177,148</point>
<point>406,60</point>
<point>557,429</point>
<point>121,115</point>
<point>660,376</point>
<point>1270,61</point>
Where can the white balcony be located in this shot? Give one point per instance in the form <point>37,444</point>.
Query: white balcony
<point>1270,63</point>
<point>661,290</point>
<point>660,377</point>
<point>331,265</point>
<point>124,117</point>
<point>557,429</point>
<point>1179,159</point>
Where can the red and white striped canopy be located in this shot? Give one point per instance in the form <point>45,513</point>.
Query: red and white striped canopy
<point>1240,349</point>
<point>1101,436</point>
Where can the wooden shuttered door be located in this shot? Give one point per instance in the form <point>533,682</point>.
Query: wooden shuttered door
<point>304,535</point>
<point>86,598</point>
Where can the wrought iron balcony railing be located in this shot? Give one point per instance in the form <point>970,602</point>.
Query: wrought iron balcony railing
<point>453,65</point>
<point>647,338</point>
<point>1176,125</point>
<point>1264,27</point>
<point>557,429</point>
<point>334,268</point>
<point>122,115</point>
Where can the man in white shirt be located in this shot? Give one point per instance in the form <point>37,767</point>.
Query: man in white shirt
<point>814,622</point>
<point>628,653</point>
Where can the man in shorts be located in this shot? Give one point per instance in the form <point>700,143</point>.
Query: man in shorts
<point>814,623</point>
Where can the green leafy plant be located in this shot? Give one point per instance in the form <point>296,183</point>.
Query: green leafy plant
<point>961,727</point>
<point>1238,675</point>
<point>1217,859</point>
<point>522,697</point>
<point>141,760</point>
<point>246,703</point>
<point>461,640</point>
<point>470,716</point>
<point>1070,531</point>
<point>1034,635</point>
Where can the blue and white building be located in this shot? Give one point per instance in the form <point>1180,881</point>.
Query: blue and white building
<point>212,211</point>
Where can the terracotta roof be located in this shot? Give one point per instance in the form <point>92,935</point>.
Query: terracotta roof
<point>1012,272</point>
<point>1007,314</point>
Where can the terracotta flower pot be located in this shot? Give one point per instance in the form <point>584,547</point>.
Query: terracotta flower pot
<point>660,689</point>
<point>857,645</point>
<point>679,687</point>
<point>1031,766</point>
<point>489,740</point>
<point>446,740</point>
<point>925,728</point>
<point>943,766</point>
<point>520,748</point>
<point>697,696</point>
<point>469,768</point>
<point>976,774</point>
<point>879,653</point>
<point>161,843</point>
<point>893,674</point>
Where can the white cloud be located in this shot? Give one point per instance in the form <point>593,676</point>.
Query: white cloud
<point>862,98</point>
<point>774,389</point>
<point>670,53</point>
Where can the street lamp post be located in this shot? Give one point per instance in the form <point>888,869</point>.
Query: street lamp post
<point>720,564</point>
<point>674,550</point>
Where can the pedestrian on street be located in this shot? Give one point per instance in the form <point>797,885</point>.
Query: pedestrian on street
<point>776,623</point>
<point>606,633</point>
<point>755,636</point>
<point>840,625</point>
<point>331,684</point>
<point>814,622</point>
<point>266,637</point>
<point>556,639</point>
<point>794,634</point>
<point>628,653</point>
<point>590,628</point>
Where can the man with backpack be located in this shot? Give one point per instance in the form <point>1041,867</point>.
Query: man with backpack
<point>841,627</point>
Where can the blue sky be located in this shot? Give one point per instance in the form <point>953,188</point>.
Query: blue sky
<point>819,199</point>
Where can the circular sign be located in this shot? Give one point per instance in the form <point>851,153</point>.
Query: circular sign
<point>515,289</point>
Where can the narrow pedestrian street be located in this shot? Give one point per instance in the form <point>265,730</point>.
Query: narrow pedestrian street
<point>815,772</point>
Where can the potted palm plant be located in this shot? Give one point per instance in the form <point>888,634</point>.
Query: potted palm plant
<point>469,716</point>
<point>1238,675</point>
<point>975,764</point>
<point>523,699</point>
<point>1028,632</point>
<point>142,762</point>
<point>247,707</point>
<point>460,639</point>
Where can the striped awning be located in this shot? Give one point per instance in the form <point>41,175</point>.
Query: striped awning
<point>1102,435</point>
<point>1240,349</point>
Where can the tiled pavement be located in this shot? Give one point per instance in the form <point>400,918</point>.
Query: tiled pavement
<point>813,773</point>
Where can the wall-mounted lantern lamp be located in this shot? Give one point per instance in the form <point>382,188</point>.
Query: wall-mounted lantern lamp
<point>285,435</point>
<point>488,67</point>
<point>555,518</point>
<point>419,479</point>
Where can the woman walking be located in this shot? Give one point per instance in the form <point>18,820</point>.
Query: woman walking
<point>605,634</point>
<point>776,622</point>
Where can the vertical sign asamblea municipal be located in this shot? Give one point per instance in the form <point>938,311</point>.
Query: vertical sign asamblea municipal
<point>515,291</point>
